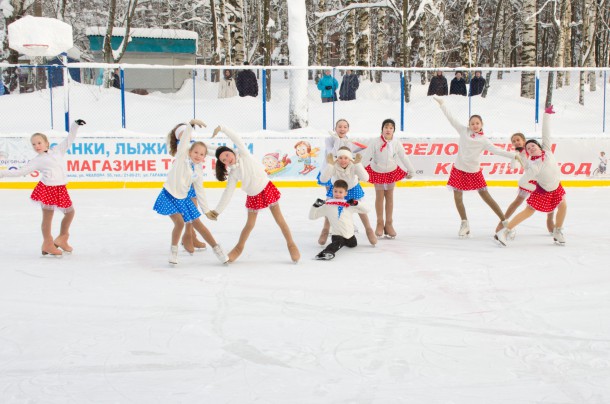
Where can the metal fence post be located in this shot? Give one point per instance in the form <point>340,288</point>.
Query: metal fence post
<point>537,100</point>
<point>264,99</point>
<point>194,95</point>
<point>604,108</point>
<point>66,92</point>
<point>402,102</point>
<point>122,97</point>
<point>49,73</point>
<point>332,124</point>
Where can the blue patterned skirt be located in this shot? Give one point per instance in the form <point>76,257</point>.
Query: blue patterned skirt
<point>166,204</point>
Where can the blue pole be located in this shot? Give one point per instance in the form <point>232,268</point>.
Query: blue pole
<point>332,124</point>
<point>194,102</point>
<point>51,92</point>
<point>122,98</point>
<point>66,73</point>
<point>537,100</point>
<point>604,109</point>
<point>264,99</point>
<point>402,102</point>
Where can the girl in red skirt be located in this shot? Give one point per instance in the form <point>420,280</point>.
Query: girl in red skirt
<point>388,164</point>
<point>466,173</point>
<point>549,194</point>
<point>526,184</point>
<point>233,167</point>
<point>51,193</point>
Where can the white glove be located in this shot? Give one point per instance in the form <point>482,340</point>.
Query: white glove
<point>440,101</point>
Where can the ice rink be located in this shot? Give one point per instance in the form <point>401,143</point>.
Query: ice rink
<point>425,318</point>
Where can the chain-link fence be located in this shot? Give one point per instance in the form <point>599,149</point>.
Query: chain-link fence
<point>151,99</point>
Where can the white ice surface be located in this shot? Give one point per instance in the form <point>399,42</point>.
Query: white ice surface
<point>424,318</point>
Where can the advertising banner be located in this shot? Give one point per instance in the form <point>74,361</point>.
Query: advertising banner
<point>145,159</point>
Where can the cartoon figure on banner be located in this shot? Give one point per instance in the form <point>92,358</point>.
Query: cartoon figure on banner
<point>273,164</point>
<point>305,154</point>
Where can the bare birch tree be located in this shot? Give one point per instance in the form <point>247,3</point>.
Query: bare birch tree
<point>528,51</point>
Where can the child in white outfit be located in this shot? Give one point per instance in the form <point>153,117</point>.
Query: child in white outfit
<point>51,192</point>
<point>262,193</point>
<point>351,171</point>
<point>339,213</point>
<point>174,200</point>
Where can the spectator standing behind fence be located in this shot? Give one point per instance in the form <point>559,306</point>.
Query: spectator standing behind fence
<point>458,85</point>
<point>327,86</point>
<point>116,79</point>
<point>477,84</point>
<point>227,87</point>
<point>246,83</point>
<point>349,85</point>
<point>438,85</point>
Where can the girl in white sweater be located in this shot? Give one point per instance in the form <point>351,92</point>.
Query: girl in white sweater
<point>526,184</point>
<point>386,162</point>
<point>189,238</point>
<point>174,200</point>
<point>466,173</point>
<point>549,194</point>
<point>333,143</point>
<point>233,167</point>
<point>51,193</point>
<point>351,171</point>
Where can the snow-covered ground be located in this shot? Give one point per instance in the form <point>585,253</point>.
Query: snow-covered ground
<point>424,318</point>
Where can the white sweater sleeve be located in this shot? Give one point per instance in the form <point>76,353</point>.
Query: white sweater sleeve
<point>236,139</point>
<point>62,148</point>
<point>458,126</point>
<point>361,173</point>
<point>490,147</point>
<point>328,172</point>
<point>31,166</point>
<point>316,213</point>
<point>227,194</point>
<point>546,131</point>
<point>403,160</point>
<point>199,190</point>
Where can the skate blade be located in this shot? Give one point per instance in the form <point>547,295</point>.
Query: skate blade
<point>500,243</point>
<point>49,255</point>
<point>559,243</point>
<point>464,236</point>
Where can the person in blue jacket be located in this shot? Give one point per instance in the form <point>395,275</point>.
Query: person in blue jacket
<point>327,86</point>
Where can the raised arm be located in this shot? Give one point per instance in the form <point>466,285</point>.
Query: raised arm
<point>235,138</point>
<point>546,128</point>
<point>492,148</point>
<point>227,194</point>
<point>31,166</point>
<point>457,125</point>
<point>62,148</point>
<point>361,173</point>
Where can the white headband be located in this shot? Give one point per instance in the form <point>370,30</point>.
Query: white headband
<point>345,153</point>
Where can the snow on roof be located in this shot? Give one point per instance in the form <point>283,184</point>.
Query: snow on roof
<point>145,32</point>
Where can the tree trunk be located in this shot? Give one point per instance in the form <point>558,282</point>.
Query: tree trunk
<point>237,31</point>
<point>557,59</point>
<point>528,52</point>
<point>469,35</point>
<point>350,43</point>
<point>225,38</point>
<point>215,59</point>
<point>298,47</point>
<point>321,38</point>
<point>492,48</point>
<point>379,43</point>
<point>563,30</point>
<point>362,43</point>
<point>267,45</point>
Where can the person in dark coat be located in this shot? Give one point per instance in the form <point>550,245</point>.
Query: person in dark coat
<point>458,85</point>
<point>349,85</point>
<point>116,79</point>
<point>477,84</point>
<point>438,85</point>
<point>246,83</point>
